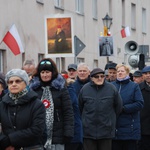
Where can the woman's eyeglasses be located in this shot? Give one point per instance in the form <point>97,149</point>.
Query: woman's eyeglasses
<point>45,62</point>
<point>99,76</point>
<point>16,81</point>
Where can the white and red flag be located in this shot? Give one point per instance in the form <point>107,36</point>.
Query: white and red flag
<point>125,32</point>
<point>13,41</point>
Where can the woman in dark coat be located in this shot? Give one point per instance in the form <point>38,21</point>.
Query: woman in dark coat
<point>128,123</point>
<point>22,115</point>
<point>52,91</point>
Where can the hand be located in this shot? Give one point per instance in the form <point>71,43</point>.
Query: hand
<point>10,148</point>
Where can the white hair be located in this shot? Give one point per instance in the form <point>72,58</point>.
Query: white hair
<point>83,65</point>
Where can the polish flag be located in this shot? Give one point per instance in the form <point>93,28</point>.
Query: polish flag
<point>125,32</point>
<point>13,41</point>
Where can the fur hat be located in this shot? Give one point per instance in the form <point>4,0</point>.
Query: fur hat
<point>19,73</point>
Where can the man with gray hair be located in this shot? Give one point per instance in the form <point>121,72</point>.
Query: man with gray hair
<point>83,77</point>
<point>29,66</point>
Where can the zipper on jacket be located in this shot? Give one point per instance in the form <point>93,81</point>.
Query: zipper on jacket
<point>57,115</point>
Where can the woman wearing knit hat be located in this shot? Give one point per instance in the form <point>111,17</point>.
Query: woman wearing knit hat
<point>22,115</point>
<point>51,89</point>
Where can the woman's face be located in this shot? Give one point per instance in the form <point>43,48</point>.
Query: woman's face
<point>121,73</point>
<point>16,85</point>
<point>46,75</point>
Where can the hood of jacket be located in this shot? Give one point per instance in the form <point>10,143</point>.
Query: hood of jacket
<point>57,83</point>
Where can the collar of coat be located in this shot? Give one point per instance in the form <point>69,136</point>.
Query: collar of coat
<point>58,83</point>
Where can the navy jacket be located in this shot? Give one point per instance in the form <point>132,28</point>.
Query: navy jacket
<point>78,133</point>
<point>128,122</point>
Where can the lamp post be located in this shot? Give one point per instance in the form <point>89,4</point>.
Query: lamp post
<point>107,22</point>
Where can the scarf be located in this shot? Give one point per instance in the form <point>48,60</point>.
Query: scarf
<point>18,95</point>
<point>127,77</point>
<point>49,105</point>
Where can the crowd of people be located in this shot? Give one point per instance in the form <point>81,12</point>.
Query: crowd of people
<point>78,109</point>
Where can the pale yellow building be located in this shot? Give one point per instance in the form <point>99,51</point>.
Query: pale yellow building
<point>86,15</point>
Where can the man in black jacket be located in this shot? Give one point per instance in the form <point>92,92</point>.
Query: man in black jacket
<point>99,103</point>
<point>144,143</point>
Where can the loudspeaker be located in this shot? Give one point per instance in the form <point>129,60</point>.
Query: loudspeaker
<point>131,47</point>
<point>133,60</point>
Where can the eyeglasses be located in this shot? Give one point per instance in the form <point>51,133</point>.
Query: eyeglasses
<point>45,62</point>
<point>16,81</point>
<point>100,76</point>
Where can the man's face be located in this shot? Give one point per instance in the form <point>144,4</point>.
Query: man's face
<point>146,77</point>
<point>98,79</point>
<point>83,72</point>
<point>29,68</point>
<point>138,79</point>
<point>72,73</point>
<point>112,74</point>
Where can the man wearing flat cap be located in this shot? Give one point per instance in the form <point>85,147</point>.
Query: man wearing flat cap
<point>99,103</point>
<point>112,72</point>
<point>137,76</point>
<point>144,143</point>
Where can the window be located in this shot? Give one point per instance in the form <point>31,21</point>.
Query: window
<point>94,9</point>
<point>59,3</point>
<point>123,13</point>
<point>95,64</point>
<point>80,6</point>
<point>133,16</point>
<point>143,20</point>
<point>63,63</point>
<point>80,60</point>
<point>40,57</point>
<point>2,58</point>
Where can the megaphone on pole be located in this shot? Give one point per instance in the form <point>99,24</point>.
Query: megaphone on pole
<point>131,48</point>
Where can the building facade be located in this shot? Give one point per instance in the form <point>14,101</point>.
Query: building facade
<point>29,18</point>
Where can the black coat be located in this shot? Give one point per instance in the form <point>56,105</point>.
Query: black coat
<point>99,106</point>
<point>24,122</point>
<point>63,126</point>
<point>145,112</point>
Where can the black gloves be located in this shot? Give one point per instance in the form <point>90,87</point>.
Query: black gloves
<point>4,142</point>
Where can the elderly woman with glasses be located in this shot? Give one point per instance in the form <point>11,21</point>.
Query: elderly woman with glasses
<point>51,89</point>
<point>22,115</point>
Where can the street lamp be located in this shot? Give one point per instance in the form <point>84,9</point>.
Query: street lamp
<point>107,22</point>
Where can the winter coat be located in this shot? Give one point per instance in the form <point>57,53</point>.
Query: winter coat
<point>128,122</point>
<point>23,122</point>
<point>145,112</point>
<point>63,125</point>
<point>78,133</point>
<point>78,84</point>
<point>99,106</point>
